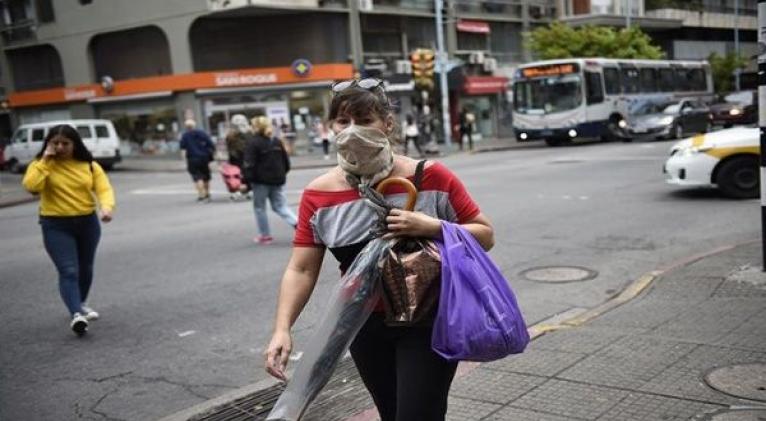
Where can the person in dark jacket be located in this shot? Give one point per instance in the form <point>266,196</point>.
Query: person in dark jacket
<point>198,150</point>
<point>266,168</point>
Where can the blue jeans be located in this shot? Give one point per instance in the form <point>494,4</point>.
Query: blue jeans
<point>71,243</point>
<point>274,194</point>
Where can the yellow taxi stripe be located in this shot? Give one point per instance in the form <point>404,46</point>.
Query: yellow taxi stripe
<point>722,153</point>
<point>698,140</point>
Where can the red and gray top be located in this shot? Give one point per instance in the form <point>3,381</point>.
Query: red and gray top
<point>341,220</point>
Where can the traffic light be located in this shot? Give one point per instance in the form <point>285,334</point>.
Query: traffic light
<point>423,68</point>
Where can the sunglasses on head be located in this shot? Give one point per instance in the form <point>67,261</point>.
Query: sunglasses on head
<point>367,83</point>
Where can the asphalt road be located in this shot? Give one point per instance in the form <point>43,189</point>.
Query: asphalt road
<point>187,299</point>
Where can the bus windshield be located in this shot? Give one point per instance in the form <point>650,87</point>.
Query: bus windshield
<point>548,95</point>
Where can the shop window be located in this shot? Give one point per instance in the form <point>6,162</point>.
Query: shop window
<point>594,88</point>
<point>102,132</point>
<point>648,80</point>
<point>612,81</point>
<point>85,132</point>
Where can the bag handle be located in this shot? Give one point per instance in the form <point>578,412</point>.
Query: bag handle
<point>412,192</point>
<point>418,178</point>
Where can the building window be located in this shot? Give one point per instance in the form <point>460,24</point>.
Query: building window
<point>45,11</point>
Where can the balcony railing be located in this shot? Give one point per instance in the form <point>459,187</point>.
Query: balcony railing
<point>702,6</point>
<point>21,30</point>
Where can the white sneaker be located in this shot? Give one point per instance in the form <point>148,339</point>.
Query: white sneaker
<point>79,324</point>
<point>90,314</point>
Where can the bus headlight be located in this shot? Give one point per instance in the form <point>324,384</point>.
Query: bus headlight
<point>523,136</point>
<point>622,123</point>
<point>572,133</point>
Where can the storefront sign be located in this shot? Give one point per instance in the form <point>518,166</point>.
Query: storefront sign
<point>473,26</point>
<point>301,67</point>
<point>552,70</point>
<point>482,85</point>
<point>184,82</point>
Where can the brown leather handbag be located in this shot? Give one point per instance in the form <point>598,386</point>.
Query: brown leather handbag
<point>411,272</point>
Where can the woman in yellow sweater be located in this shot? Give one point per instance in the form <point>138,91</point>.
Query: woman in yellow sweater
<point>71,185</point>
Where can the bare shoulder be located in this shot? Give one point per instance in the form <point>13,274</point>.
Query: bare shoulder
<point>405,166</point>
<point>332,180</point>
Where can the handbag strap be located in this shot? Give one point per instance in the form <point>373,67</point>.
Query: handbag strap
<point>419,174</point>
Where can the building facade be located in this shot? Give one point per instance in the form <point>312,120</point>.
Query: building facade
<point>147,65</point>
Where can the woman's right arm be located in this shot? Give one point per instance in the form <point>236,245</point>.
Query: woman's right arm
<point>36,175</point>
<point>297,284</point>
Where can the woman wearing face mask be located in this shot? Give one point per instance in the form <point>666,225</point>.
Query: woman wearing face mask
<point>67,179</point>
<point>407,380</point>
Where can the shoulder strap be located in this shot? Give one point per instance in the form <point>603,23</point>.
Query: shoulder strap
<point>419,174</point>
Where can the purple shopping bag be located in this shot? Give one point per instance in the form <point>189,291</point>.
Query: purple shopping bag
<point>478,318</point>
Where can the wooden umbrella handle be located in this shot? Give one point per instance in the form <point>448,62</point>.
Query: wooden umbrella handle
<point>412,192</point>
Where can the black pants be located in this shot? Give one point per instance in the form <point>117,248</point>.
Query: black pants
<point>414,140</point>
<point>407,380</point>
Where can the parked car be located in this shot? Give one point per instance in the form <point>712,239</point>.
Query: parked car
<point>99,137</point>
<point>736,108</point>
<point>3,145</point>
<point>727,159</point>
<point>669,120</point>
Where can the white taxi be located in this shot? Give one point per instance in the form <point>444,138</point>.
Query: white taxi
<point>727,159</point>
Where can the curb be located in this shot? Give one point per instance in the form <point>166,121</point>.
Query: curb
<point>14,202</point>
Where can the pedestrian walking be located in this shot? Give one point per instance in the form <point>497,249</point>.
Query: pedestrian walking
<point>236,140</point>
<point>198,150</point>
<point>72,187</point>
<point>411,134</point>
<point>334,215</point>
<point>266,167</point>
<point>324,133</point>
<point>466,122</point>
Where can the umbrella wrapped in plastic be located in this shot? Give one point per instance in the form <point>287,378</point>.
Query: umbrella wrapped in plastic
<point>353,301</point>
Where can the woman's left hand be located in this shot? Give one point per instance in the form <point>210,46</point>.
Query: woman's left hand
<point>106,215</point>
<point>402,223</point>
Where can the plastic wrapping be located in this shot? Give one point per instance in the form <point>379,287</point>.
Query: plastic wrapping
<point>353,301</point>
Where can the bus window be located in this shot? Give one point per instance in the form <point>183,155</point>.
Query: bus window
<point>667,80</point>
<point>612,81</point>
<point>630,83</point>
<point>648,80</point>
<point>682,80</point>
<point>593,88</point>
<point>697,80</point>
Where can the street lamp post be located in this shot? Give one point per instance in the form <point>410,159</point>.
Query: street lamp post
<point>762,116</point>
<point>627,13</point>
<point>441,65</point>
<point>736,43</point>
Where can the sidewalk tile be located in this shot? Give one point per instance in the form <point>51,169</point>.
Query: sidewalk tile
<point>585,340</point>
<point>538,362</point>
<point>510,413</point>
<point>696,289</point>
<point>684,379</point>
<point>645,313</point>
<point>468,409</point>
<point>628,363</point>
<point>571,399</point>
<point>710,320</point>
<point>493,386</point>
<point>643,407</point>
<point>749,335</point>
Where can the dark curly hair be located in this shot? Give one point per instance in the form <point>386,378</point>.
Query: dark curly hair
<point>80,152</point>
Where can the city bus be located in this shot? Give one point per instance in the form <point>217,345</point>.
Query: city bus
<point>561,100</point>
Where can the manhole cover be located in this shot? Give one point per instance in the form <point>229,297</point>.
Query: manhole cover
<point>735,415</point>
<point>559,274</point>
<point>746,381</point>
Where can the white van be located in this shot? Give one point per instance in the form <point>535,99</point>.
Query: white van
<point>99,137</point>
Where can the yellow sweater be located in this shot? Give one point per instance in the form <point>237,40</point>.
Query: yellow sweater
<point>67,187</point>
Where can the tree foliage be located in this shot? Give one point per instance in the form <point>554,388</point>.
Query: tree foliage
<point>562,41</point>
<point>723,68</point>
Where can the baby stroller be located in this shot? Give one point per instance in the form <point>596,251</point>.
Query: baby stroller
<point>232,177</point>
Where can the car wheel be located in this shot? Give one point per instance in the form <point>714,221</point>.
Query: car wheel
<point>738,177</point>
<point>15,167</point>
<point>678,131</point>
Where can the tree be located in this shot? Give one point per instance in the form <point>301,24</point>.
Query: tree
<point>723,68</point>
<point>562,41</point>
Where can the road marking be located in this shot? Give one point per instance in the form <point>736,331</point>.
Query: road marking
<point>187,333</point>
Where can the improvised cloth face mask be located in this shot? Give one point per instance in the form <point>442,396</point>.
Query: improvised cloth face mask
<point>364,154</point>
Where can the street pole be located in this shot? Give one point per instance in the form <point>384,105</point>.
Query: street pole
<point>441,65</point>
<point>736,43</point>
<point>627,14</point>
<point>762,117</point>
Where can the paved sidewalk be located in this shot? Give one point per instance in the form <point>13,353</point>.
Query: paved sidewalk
<point>653,358</point>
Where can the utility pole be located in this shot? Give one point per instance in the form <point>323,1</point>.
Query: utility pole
<point>736,44</point>
<point>441,66</point>
<point>627,13</point>
<point>355,32</point>
<point>762,116</point>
